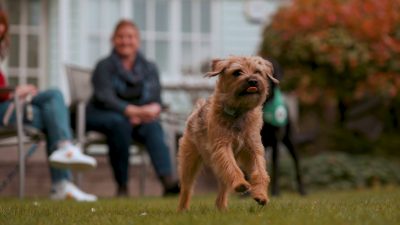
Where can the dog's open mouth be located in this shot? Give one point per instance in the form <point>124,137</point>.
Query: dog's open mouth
<point>252,89</point>
<point>249,91</point>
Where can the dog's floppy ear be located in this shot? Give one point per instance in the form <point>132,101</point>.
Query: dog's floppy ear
<point>270,71</point>
<point>217,67</point>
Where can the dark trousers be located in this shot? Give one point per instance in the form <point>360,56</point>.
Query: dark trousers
<point>120,134</point>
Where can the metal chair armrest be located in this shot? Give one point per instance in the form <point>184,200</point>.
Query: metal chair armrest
<point>81,123</point>
<point>21,137</point>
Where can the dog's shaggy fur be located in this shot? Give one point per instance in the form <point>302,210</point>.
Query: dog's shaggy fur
<point>224,131</point>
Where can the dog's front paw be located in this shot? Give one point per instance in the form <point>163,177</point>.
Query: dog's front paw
<point>242,187</point>
<point>261,199</point>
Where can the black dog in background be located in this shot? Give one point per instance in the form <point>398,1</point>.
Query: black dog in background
<point>271,136</point>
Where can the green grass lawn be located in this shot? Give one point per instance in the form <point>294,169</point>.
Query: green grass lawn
<point>381,206</point>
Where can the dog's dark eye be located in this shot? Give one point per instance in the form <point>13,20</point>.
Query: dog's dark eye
<point>258,71</point>
<point>237,73</point>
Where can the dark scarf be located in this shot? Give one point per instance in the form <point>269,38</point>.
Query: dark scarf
<point>133,79</point>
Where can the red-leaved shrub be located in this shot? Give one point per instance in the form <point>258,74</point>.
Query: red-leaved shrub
<point>341,49</point>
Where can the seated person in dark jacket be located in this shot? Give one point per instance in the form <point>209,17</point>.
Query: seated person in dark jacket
<point>126,105</point>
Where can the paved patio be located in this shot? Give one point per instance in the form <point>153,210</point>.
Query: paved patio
<point>98,181</point>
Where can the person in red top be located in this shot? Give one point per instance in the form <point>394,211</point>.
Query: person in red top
<point>3,96</point>
<point>50,115</point>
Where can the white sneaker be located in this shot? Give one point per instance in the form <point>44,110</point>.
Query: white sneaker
<point>70,157</point>
<point>65,190</point>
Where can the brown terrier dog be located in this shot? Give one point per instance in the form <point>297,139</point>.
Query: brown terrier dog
<point>224,131</point>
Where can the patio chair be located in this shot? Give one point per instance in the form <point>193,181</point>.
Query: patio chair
<point>80,88</point>
<point>19,135</point>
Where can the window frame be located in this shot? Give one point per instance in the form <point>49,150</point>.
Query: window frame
<point>173,35</point>
<point>23,72</point>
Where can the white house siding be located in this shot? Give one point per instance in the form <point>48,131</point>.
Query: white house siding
<point>53,45</point>
<point>90,24</point>
<point>74,40</point>
<point>233,34</point>
<point>59,44</point>
<point>239,36</point>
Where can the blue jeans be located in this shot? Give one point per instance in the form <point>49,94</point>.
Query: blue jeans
<point>120,134</point>
<point>50,115</point>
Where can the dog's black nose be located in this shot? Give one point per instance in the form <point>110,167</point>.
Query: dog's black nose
<point>252,82</point>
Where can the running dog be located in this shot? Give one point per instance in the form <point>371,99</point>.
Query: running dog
<point>224,131</point>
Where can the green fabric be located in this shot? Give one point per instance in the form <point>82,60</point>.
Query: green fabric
<point>275,111</point>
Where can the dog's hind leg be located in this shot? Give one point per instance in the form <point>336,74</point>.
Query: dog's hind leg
<point>189,164</point>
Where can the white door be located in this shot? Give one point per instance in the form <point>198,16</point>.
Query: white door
<point>26,61</point>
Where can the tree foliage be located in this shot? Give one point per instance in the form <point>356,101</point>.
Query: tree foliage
<point>344,49</point>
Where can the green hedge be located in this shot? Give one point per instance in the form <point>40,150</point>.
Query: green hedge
<point>338,171</point>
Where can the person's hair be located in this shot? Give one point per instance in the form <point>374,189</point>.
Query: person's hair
<point>123,23</point>
<point>4,39</point>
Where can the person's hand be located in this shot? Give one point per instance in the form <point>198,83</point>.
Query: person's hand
<point>134,113</point>
<point>135,120</point>
<point>143,114</point>
<point>24,90</point>
<point>151,111</point>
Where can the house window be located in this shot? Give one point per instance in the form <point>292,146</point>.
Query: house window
<point>196,35</point>
<point>185,35</point>
<point>100,24</point>
<point>177,34</point>
<point>25,63</point>
<point>153,19</point>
